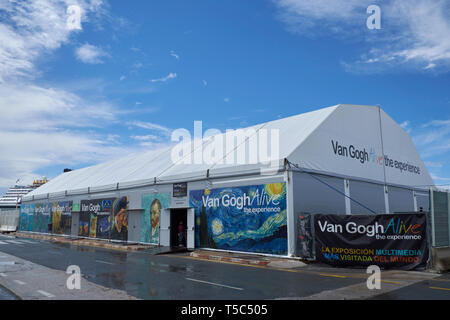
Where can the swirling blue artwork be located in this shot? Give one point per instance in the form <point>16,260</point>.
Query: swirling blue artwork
<point>249,218</point>
<point>42,217</point>
<point>26,217</point>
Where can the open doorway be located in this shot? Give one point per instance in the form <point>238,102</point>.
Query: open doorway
<point>177,216</point>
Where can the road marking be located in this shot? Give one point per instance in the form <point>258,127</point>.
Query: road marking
<point>214,284</point>
<point>7,263</point>
<point>438,288</point>
<point>331,275</point>
<point>44,293</point>
<point>1,242</point>
<point>19,282</point>
<point>100,261</point>
<point>3,275</point>
<point>14,241</point>
<point>393,282</point>
<point>27,241</point>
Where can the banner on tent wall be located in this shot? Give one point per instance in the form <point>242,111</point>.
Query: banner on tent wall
<point>62,217</point>
<point>42,217</point>
<point>152,205</point>
<point>250,218</point>
<point>389,241</point>
<point>26,217</point>
<point>119,219</point>
<point>95,218</point>
<point>305,238</point>
<point>23,218</point>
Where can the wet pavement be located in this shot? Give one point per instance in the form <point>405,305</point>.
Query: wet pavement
<point>147,275</point>
<point>6,294</point>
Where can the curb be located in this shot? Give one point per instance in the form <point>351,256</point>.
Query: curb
<point>11,291</point>
<point>87,243</point>
<point>229,259</point>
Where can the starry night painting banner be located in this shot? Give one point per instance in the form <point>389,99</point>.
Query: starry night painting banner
<point>249,218</point>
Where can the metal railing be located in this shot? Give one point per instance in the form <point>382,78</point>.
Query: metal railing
<point>440,218</point>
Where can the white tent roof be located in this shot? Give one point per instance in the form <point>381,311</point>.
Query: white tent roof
<point>308,140</point>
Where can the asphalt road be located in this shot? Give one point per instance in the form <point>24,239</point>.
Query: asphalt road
<point>148,276</point>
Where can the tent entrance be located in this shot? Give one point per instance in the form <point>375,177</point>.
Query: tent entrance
<point>170,225</point>
<point>178,216</point>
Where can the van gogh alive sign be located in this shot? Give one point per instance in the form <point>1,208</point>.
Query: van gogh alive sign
<point>245,218</point>
<point>259,201</point>
<point>364,155</point>
<point>389,241</point>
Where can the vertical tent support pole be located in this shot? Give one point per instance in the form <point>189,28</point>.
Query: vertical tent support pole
<point>433,234</point>
<point>386,199</point>
<point>448,217</point>
<point>416,208</point>
<point>348,208</point>
<point>290,212</point>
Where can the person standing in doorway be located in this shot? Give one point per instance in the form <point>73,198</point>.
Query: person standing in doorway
<point>181,234</point>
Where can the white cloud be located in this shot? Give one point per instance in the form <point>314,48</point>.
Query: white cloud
<point>45,126</point>
<point>414,33</point>
<point>30,28</point>
<point>166,78</point>
<point>406,126</point>
<point>91,54</point>
<point>173,54</point>
<point>39,108</point>
<point>49,127</point>
<point>311,17</point>
<point>162,130</point>
<point>433,164</point>
<point>432,140</point>
<point>146,137</point>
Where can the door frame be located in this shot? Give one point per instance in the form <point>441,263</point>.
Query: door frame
<point>164,228</point>
<point>165,231</point>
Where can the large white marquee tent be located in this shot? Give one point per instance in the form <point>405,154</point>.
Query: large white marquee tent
<point>344,159</point>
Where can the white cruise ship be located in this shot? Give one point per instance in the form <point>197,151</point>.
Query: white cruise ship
<point>13,197</point>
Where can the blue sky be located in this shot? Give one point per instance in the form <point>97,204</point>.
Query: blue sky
<point>138,69</point>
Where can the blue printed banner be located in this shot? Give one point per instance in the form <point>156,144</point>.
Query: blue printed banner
<point>249,218</point>
<point>42,217</point>
<point>26,217</point>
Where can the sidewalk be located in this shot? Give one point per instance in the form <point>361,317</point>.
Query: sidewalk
<point>242,258</point>
<point>83,242</point>
<point>31,281</point>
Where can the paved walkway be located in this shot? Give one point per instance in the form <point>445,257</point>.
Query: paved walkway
<point>30,281</point>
